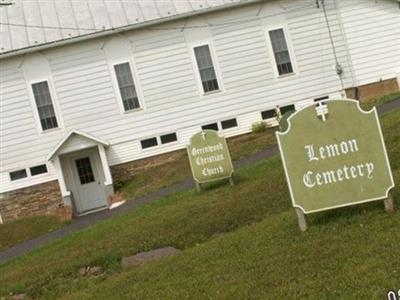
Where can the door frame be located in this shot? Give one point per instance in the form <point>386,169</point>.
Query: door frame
<point>72,182</point>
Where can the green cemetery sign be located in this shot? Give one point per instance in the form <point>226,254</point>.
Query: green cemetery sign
<point>334,155</point>
<point>209,157</point>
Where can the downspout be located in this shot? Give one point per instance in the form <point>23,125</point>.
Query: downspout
<point>354,83</point>
<point>338,67</point>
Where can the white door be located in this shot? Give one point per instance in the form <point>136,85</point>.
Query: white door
<point>88,181</point>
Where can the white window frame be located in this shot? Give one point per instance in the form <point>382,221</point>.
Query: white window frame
<point>215,64</point>
<point>219,124</point>
<point>229,129</point>
<point>29,175</point>
<point>54,100</point>
<point>159,144</point>
<point>38,175</point>
<point>136,82</point>
<point>152,147</point>
<point>268,119</point>
<point>208,123</point>
<point>290,50</point>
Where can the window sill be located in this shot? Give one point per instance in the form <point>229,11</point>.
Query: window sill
<point>24,179</point>
<point>271,122</point>
<point>204,94</point>
<point>56,129</point>
<point>39,175</point>
<point>230,128</point>
<point>133,111</point>
<point>149,148</point>
<point>169,144</point>
<point>269,119</point>
<point>160,146</point>
<point>288,75</point>
<point>19,180</point>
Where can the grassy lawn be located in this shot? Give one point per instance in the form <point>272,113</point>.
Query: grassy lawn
<point>368,104</point>
<point>337,259</point>
<point>240,242</point>
<point>153,178</point>
<point>27,228</point>
<point>177,168</point>
<point>150,180</point>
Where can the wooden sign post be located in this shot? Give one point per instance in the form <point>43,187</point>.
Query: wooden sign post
<point>334,155</point>
<point>209,158</point>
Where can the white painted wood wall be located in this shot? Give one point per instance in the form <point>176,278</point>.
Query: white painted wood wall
<point>88,100</point>
<point>372,29</point>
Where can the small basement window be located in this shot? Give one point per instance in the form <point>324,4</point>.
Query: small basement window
<point>321,99</point>
<point>18,174</point>
<point>36,170</point>
<point>168,138</point>
<point>212,126</point>
<point>268,114</point>
<point>285,109</point>
<point>229,123</point>
<point>148,143</point>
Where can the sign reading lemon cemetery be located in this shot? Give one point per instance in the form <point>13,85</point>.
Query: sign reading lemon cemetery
<point>334,156</point>
<point>209,157</point>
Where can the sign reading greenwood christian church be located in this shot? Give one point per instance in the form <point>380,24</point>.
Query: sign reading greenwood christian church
<point>209,157</point>
<point>334,155</point>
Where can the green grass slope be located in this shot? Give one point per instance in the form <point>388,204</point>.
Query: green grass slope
<point>27,228</point>
<point>240,242</point>
<point>354,256</point>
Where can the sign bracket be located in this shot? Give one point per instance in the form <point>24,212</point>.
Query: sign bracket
<point>302,219</point>
<point>198,184</point>
<point>389,203</point>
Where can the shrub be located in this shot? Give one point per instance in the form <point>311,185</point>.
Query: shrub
<point>389,97</point>
<point>118,184</point>
<point>259,127</point>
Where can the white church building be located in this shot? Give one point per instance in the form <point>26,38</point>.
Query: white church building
<point>87,86</point>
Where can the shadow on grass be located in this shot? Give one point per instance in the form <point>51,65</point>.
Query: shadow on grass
<point>344,214</point>
<point>210,186</point>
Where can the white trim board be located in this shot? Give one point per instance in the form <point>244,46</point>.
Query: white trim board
<point>68,135</point>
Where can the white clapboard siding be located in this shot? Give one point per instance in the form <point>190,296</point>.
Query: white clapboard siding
<point>123,151</point>
<point>373,36</point>
<point>247,120</point>
<point>17,121</point>
<point>89,101</point>
<point>8,185</point>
